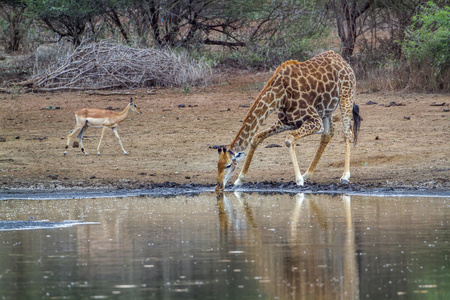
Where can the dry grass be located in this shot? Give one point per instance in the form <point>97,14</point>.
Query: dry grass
<point>406,76</point>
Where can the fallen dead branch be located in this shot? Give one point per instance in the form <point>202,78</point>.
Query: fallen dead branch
<point>107,65</point>
<point>109,93</point>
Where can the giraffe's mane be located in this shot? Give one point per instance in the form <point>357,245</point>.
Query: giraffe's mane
<point>255,104</point>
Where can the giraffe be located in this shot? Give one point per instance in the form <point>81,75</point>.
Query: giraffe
<point>305,94</point>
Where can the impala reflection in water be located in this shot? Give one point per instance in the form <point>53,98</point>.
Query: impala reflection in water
<point>239,246</point>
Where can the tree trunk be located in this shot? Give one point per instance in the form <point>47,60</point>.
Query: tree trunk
<point>154,22</point>
<point>15,21</point>
<point>347,14</point>
<point>116,20</point>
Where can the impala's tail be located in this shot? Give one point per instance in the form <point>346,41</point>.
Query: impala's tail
<point>356,123</point>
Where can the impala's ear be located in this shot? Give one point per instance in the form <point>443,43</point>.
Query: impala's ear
<point>222,149</point>
<point>131,100</point>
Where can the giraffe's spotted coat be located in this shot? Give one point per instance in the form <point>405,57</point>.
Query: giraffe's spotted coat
<point>305,94</point>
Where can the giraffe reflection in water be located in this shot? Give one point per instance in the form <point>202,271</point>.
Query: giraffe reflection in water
<point>318,261</point>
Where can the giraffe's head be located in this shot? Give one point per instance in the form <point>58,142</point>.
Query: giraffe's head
<point>134,107</point>
<point>226,166</point>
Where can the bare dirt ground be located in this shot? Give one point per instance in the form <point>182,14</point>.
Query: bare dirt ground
<point>404,139</point>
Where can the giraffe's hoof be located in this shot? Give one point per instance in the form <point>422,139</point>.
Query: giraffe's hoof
<point>345,181</point>
<point>300,182</point>
<point>307,177</point>
<point>98,153</point>
<point>238,182</point>
<point>288,143</point>
<point>125,153</point>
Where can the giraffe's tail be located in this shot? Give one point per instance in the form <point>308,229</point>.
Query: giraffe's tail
<point>356,123</point>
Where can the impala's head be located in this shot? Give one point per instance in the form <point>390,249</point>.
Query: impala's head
<point>226,167</point>
<point>134,107</point>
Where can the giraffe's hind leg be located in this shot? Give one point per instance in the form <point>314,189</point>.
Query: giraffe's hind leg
<point>348,136</point>
<point>327,135</point>
<point>346,111</point>
<point>257,139</point>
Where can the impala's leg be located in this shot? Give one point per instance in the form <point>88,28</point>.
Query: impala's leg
<point>118,138</point>
<point>313,125</point>
<point>80,138</point>
<point>69,136</point>
<point>258,138</point>
<point>101,138</point>
<point>327,134</point>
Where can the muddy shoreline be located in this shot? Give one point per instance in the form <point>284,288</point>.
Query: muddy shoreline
<point>56,190</point>
<point>172,146</point>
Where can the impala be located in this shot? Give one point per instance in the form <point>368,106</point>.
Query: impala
<point>100,118</point>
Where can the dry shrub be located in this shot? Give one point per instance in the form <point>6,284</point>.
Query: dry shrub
<point>381,78</point>
<point>406,75</point>
<point>14,68</point>
<point>45,55</point>
<point>425,77</point>
<point>107,65</point>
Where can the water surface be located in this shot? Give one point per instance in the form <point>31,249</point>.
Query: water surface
<point>244,246</point>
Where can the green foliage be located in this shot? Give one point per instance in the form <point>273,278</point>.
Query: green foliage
<point>428,38</point>
<point>257,33</point>
<point>272,55</point>
<point>273,32</point>
<point>81,9</point>
<point>66,18</point>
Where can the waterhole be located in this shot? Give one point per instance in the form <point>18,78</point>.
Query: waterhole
<point>241,246</point>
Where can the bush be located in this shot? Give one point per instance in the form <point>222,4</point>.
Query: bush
<point>268,57</point>
<point>427,43</point>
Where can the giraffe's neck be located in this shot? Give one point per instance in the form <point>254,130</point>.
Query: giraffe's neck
<point>268,100</point>
<point>263,106</point>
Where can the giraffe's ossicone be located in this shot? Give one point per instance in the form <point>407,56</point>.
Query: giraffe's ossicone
<point>305,95</point>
